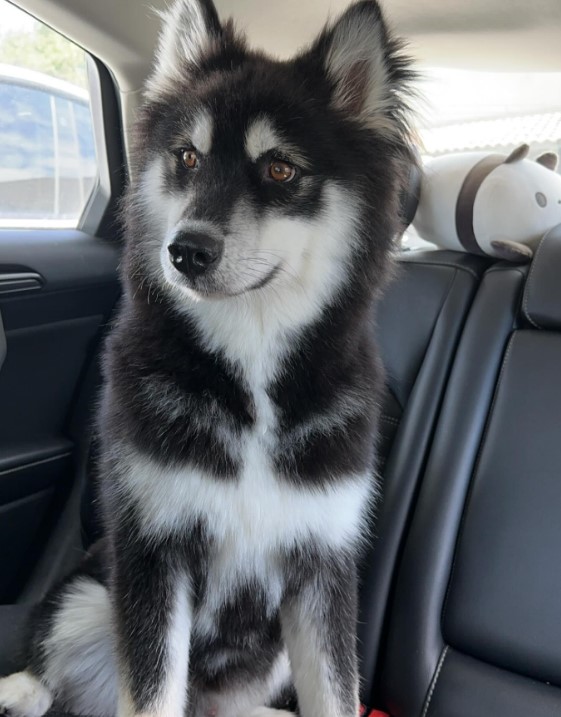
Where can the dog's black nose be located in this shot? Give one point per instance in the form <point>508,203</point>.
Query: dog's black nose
<point>193,253</point>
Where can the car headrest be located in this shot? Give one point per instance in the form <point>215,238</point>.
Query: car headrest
<point>542,295</point>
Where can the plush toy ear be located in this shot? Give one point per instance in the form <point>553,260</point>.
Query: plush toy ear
<point>517,154</point>
<point>512,251</point>
<point>548,160</point>
<point>365,64</point>
<point>190,28</point>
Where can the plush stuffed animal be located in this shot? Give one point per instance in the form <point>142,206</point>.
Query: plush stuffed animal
<point>489,203</point>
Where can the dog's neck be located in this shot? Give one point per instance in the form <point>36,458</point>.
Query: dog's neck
<point>253,332</point>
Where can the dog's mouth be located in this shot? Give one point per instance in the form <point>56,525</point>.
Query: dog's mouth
<point>209,288</point>
<point>265,280</point>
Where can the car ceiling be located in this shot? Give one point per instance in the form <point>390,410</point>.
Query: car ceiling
<point>500,35</point>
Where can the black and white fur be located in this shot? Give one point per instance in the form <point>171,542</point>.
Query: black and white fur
<point>240,410</point>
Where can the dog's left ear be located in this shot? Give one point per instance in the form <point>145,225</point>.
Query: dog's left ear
<point>365,64</point>
<point>190,29</point>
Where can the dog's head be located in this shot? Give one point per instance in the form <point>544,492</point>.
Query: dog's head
<point>253,174</point>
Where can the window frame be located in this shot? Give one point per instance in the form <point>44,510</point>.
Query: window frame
<point>100,196</point>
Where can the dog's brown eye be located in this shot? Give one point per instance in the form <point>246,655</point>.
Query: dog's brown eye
<point>189,159</point>
<point>281,171</point>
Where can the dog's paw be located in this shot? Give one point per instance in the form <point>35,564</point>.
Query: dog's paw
<point>22,695</point>
<point>269,712</point>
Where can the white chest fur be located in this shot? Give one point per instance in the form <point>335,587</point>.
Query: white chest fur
<point>252,519</point>
<point>257,514</point>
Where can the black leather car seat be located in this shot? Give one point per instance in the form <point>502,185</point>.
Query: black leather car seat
<point>475,628</point>
<point>419,324</point>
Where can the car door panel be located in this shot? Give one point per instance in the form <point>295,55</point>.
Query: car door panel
<point>52,329</point>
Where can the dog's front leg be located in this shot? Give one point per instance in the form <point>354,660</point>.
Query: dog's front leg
<point>153,612</point>
<point>319,629</point>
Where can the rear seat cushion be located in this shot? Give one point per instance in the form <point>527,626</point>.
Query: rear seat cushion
<point>470,688</point>
<point>504,601</point>
<point>476,623</point>
<point>431,288</point>
<point>419,323</point>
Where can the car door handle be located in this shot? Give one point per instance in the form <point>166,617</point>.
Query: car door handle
<point>13,282</point>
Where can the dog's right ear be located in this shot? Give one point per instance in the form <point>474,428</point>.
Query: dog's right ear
<point>190,29</point>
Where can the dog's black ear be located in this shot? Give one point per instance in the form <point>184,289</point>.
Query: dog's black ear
<point>190,29</point>
<point>366,66</point>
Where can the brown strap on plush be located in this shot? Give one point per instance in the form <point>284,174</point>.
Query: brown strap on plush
<point>466,200</point>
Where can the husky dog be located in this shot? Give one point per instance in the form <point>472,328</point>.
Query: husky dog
<point>240,412</point>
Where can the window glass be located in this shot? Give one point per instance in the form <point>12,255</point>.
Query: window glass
<point>48,166</point>
<point>26,152</point>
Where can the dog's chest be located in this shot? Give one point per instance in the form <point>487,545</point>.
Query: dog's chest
<point>258,509</point>
<point>244,510</point>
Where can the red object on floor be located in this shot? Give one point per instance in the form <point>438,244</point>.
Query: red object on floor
<point>363,712</point>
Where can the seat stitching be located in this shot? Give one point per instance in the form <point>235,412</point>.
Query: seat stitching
<point>434,681</point>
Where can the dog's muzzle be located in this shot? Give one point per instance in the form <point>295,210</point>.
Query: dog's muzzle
<point>193,253</point>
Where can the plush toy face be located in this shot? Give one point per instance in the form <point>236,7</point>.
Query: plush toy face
<point>500,206</point>
<point>518,202</point>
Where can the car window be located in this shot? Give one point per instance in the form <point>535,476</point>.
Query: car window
<point>48,165</point>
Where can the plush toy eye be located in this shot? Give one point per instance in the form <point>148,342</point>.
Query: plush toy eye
<point>189,158</point>
<point>541,199</point>
<point>281,171</point>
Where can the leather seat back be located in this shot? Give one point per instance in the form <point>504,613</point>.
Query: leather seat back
<point>419,323</point>
<point>476,624</point>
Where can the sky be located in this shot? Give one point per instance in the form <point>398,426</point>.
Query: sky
<point>12,18</point>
